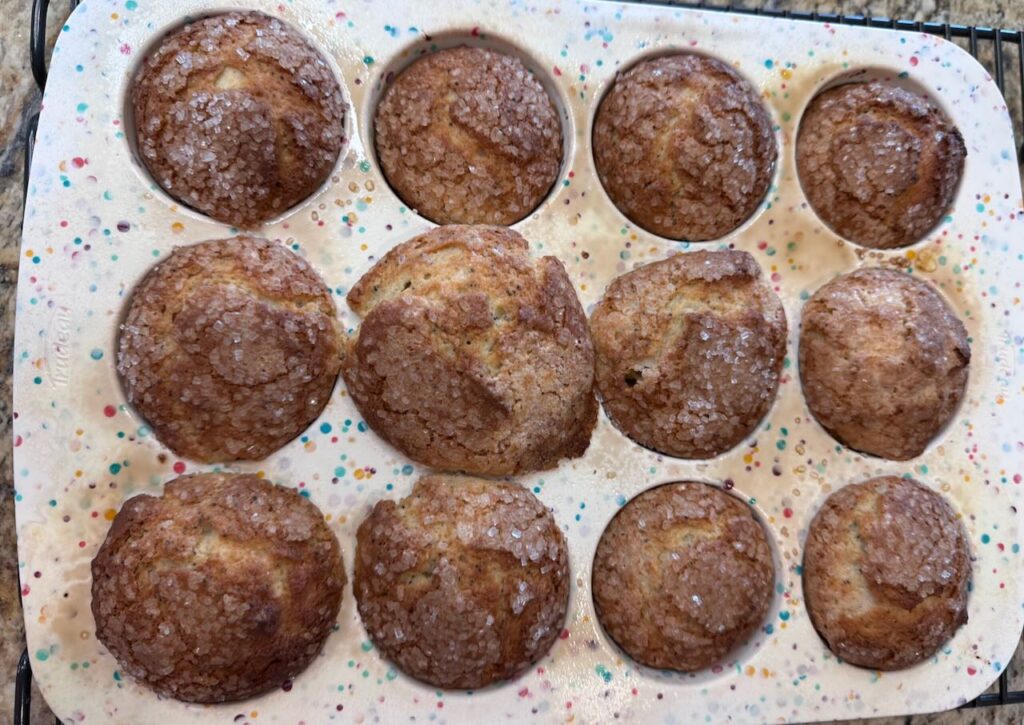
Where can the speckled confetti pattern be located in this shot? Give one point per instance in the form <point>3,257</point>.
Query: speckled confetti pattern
<point>95,223</point>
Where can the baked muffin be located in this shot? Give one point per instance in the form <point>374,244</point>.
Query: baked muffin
<point>878,163</point>
<point>238,116</point>
<point>682,575</point>
<point>684,147</point>
<point>472,356</point>
<point>689,351</point>
<point>224,587</point>
<point>885,574</point>
<point>229,349</point>
<point>883,361</point>
<point>469,136</point>
<point>464,582</point>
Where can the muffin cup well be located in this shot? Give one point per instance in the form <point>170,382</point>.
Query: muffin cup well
<point>892,77</point>
<point>472,38</point>
<point>129,134</point>
<point>742,655</point>
<point>658,53</point>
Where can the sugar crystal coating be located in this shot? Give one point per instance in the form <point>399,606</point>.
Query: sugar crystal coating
<point>689,352</point>
<point>469,136</point>
<point>463,583</point>
<point>883,361</point>
<point>886,567</point>
<point>238,116</point>
<point>682,575</point>
<point>684,147</point>
<point>224,587</point>
<point>878,163</point>
<point>472,356</point>
<point>229,348</point>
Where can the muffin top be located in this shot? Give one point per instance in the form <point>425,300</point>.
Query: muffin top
<point>886,567</point>
<point>883,361</point>
<point>684,147</point>
<point>469,136</point>
<point>471,355</point>
<point>878,163</point>
<point>464,582</point>
<point>222,588</point>
<point>229,348</point>
<point>238,116</point>
<point>682,575</point>
<point>689,351</point>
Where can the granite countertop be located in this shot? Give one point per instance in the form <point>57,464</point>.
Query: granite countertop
<point>19,100</point>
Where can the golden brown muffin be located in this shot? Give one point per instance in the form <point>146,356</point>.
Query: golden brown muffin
<point>224,587</point>
<point>238,116</point>
<point>682,575</point>
<point>463,583</point>
<point>689,351</point>
<point>878,163</point>
<point>472,356</point>
<point>469,136</point>
<point>883,361</point>
<point>885,573</point>
<point>684,147</point>
<point>229,349</point>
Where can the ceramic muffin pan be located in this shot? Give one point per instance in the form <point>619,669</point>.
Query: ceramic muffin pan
<point>96,222</point>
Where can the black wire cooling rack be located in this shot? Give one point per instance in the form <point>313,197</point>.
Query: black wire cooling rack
<point>995,48</point>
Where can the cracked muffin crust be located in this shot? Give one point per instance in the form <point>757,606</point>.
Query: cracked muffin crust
<point>224,587</point>
<point>689,352</point>
<point>684,147</point>
<point>886,566</point>
<point>238,116</point>
<point>464,582</point>
<point>878,163</point>
<point>229,349</point>
<point>682,575</point>
<point>472,356</point>
<point>469,136</point>
<point>883,361</point>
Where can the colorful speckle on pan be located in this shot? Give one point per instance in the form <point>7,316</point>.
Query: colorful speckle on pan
<point>95,224</point>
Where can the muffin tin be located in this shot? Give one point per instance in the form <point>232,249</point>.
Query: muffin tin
<point>95,223</point>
